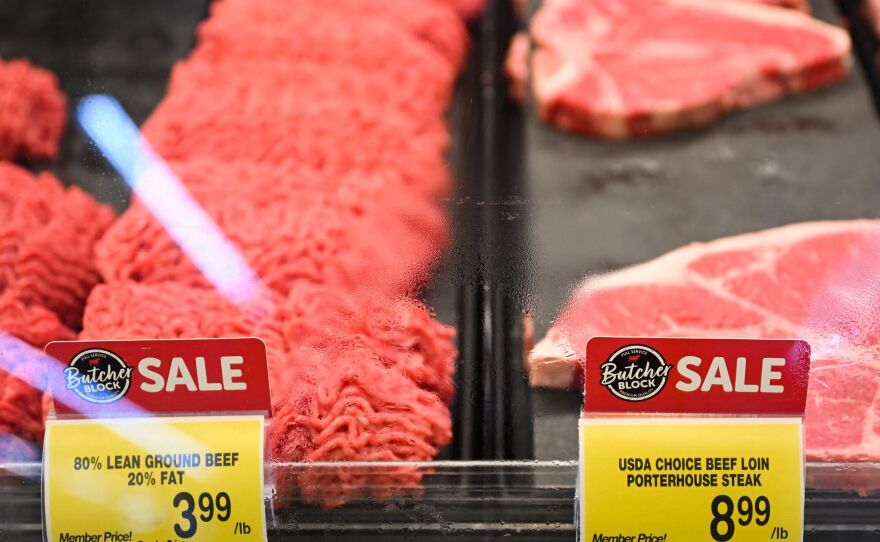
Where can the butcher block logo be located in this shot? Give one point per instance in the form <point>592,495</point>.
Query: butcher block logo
<point>635,373</point>
<point>98,376</point>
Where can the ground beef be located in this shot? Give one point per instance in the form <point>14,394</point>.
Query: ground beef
<point>402,95</point>
<point>33,111</point>
<point>399,330</point>
<point>360,231</point>
<point>378,49</point>
<point>516,66</point>
<point>315,138</point>
<point>47,236</point>
<point>32,324</point>
<point>334,397</point>
<point>127,310</point>
<point>802,5</point>
<point>24,331</point>
<point>343,404</point>
<point>22,379</point>
<point>468,9</point>
<point>426,20</point>
<point>336,121</point>
<point>47,268</point>
<point>21,410</point>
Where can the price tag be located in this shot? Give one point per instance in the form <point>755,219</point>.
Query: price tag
<point>155,479</point>
<point>662,480</point>
<point>156,440</point>
<point>692,439</point>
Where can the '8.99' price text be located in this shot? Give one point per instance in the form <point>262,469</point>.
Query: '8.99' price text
<point>726,516</point>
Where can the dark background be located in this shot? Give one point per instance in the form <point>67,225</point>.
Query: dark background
<point>121,48</point>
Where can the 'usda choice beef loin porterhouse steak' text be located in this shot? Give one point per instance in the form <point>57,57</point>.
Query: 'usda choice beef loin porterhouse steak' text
<point>815,281</point>
<point>633,68</point>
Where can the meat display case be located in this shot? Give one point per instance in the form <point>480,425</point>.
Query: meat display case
<point>521,188</point>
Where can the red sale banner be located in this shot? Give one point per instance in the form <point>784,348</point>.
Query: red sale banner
<point>141,377</point>
<point>692,376</point>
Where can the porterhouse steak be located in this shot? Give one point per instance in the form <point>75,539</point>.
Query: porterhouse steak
<point>802,5</point>
<point>633,68</point>
<point>817,281</point>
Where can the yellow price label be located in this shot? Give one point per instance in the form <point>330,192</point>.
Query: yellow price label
<point>686,480</point>
<point>149,479</point>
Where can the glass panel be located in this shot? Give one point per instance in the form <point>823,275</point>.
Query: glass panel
<point>482,500</point>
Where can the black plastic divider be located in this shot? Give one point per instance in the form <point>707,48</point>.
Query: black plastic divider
<point>507,251</point>
<point>493,411</point>
<point>467,407</point>
<point>866,44</point>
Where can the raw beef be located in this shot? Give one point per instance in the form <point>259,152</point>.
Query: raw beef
<point>427,20</point>
<point>47,237</point>
<point>397,329</point>
<point>516,63</point>
<point>33,111</point>
<point>22,379</point>
<point>516,66</point>
<point>385,51</point>
<point>21,409</point>
<point>314,136</point>
<point>47,267</point>
<point>127,310</point>
<point>816,281</point>
<point>351,231</point>
<point>802,5</point>
<point>872,12</point>
<point>24,331</point>
<point>468,9</point>
<point>410,102</point>
<point>33,324</point>
<point>337,121</point>
<point>520,6</point>
<point>636,68</point>
<point>343,403</point>
<point>336,394</point>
